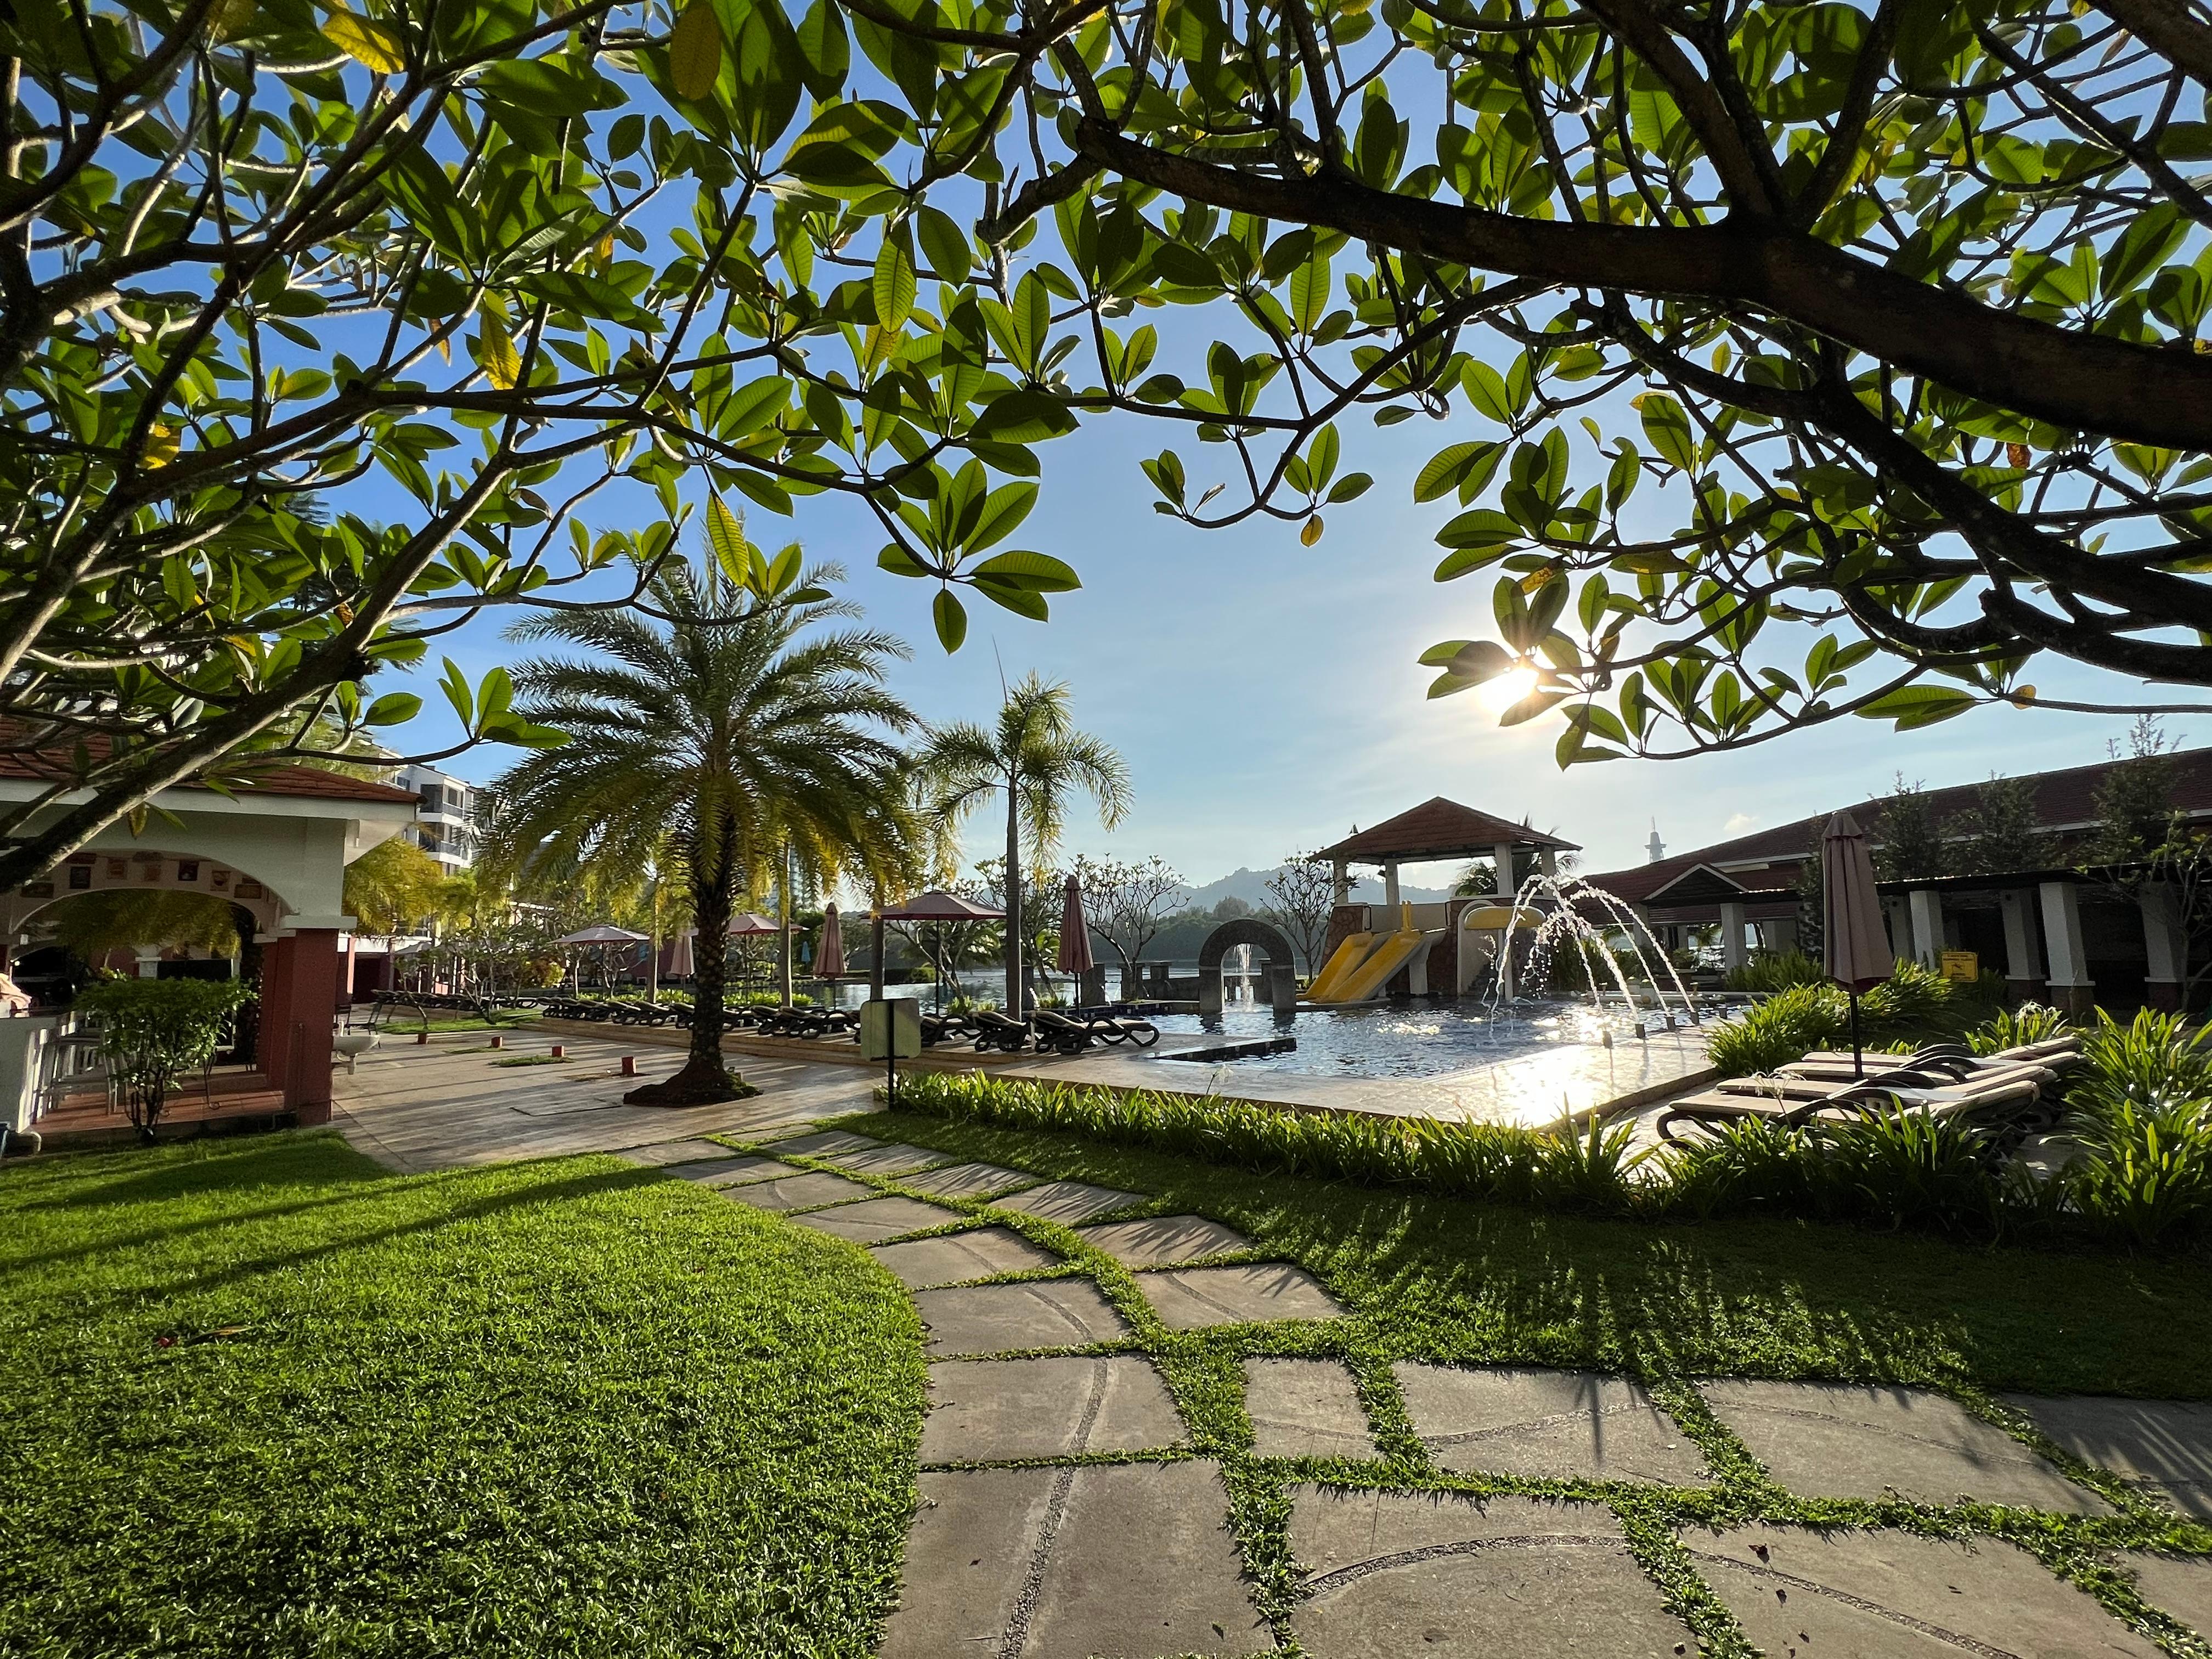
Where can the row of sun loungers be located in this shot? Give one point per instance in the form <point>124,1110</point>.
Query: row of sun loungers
<point>1046,1029</point>
<point>1943,1080</point>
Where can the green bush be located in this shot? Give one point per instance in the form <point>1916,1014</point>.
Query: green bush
<point>2145,1180</point>
<point>1914,1005</point>
<point>1778,970</point>
<point>153,1031</point>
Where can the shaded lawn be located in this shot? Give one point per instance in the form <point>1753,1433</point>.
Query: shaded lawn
<point>266,1398</point>
<point>1453,1280</point>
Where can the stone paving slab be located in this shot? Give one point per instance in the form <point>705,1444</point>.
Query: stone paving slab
<point>969,1181</point>
<point>823,1142</point>
<point>801,1192</point>
<point>1842,1440</point>
<point>978,1255</point>
<point>988,1410</point>
<point>1190,1299</point>
<point>1126,1561</point>
<point>2182,1588</point>
<point>1161,1241</point>
<point>1394,1574</point>
<point>1069,1202</point>
<point>886,1160</point>
<point>1045,1313</point>
<point>662,1152</point>
<point>1901,1596</point>
<point>875,1219</point>
<point>2163,1446</point>
<point>1305,1408</point>
<point>735,1171</point>
<point>1548,1425</point>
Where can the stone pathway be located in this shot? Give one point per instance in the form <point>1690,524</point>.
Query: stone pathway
<point>1070,1508</point>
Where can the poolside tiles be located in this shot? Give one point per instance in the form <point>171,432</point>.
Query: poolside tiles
<point>883,1160</point>
<point>1130,1560</point>
<point>1046,1313</point>
<point>1392,1574</point>
<point>1546,1424</point>
<point>1161,1241</point>
<point>988,1410</point>
<point>673,1152</point>
<point>1305,1408</point>
<point>1190,1299</point>
<point>801,1192</point>
<point>822,1143</point>
<point>1069,1202</point>
<point>1840,1594</point>
<point>2162,1446</point>
<point>2180,1590</point>
<point>983,1253</point>
<point>1842,1440</point>
<point>875,1219</point>
<point>735,1171</point>
<point>968,1181</point>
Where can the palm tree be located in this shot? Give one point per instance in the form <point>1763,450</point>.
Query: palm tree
<point>709,740</point>
<point>1035,754</point>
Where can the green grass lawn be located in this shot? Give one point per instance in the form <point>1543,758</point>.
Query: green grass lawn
<point>1446,1279</point>
<point>266,1398</point>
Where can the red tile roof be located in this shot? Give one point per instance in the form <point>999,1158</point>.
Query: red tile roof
<point>2064,801</point>
<point>1438,829</point>
<point>302,782</point>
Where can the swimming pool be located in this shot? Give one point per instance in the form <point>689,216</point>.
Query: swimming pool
<point>1407,1039</point>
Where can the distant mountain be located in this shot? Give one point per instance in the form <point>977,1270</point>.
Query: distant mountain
<point>1251,886</point>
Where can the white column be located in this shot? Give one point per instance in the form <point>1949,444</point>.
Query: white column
<point>2070,988</point>
<point>1927,908</point>
<point>1548,862</point>
<point>2023,972</point>
<point>1341,872</point>
<point>1732,951</point>
<point>2166,945</point>
<point>1506,963</point>
<point>1503,855</point>
<point>1899,916</point>
<point>1390,890</point>
<point>150,961</point>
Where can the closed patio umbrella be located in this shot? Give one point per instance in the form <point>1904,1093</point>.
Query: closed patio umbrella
<point>829,957</point>
<point>680,964</point>
<point>1854,943</point>
<point>1075,957</point>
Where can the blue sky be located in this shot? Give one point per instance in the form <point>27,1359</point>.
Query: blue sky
<point>1267,696</point>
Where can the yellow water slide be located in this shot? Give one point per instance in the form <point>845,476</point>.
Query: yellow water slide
<point>1343,963</point>
<point>1364,963</point>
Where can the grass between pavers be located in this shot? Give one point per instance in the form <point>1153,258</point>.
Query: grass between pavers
<point>1440,1281</point>
<point>266,1398</point>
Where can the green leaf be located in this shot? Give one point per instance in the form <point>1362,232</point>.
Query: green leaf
<point>393,708</point>
<point>1024,417</point>
<point>1003,511</point>
<point>943,244</point>
<point>754,406</point>
<point>372,46</point>
<point>725,539</point>
<point>1667,425</point>
<point>951,619</point>
<point>1913,707</point>
<point>1036,573</point>
<point>894,283</point>
<point>694,51</point>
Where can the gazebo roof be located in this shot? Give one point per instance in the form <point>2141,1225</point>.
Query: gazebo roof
<point>1438,828</point>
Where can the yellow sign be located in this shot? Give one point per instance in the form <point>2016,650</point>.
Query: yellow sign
<point>1961,964</point>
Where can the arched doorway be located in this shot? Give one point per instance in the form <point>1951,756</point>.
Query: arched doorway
<point>1282,964</point>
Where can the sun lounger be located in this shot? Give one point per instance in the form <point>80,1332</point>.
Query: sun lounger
<point>945,1028</point>
<point>1790,1085</point>
<point>1063,1035</point>
<point>2014,1090</point>
<point>1108,1026</point>
<point>996,1030</point>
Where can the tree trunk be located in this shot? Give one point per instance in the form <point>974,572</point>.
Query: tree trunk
<point>1016,1008</point>
<point>705,1078</point>
<point>783,940</point>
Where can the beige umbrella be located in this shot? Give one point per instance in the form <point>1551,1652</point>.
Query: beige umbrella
<point>680,964</point>
<point>1075,957</point>
<point>1856,943</point>
<point>829,957</point>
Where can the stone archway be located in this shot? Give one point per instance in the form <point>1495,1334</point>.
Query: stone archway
<point>1282,964</point>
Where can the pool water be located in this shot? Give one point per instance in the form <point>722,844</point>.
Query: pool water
<point>1405,1039</point>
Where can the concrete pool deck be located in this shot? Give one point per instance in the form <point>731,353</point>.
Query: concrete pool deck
<point>1575,1080</point>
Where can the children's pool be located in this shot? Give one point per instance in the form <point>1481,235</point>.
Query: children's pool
<point>1412,1039</point>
